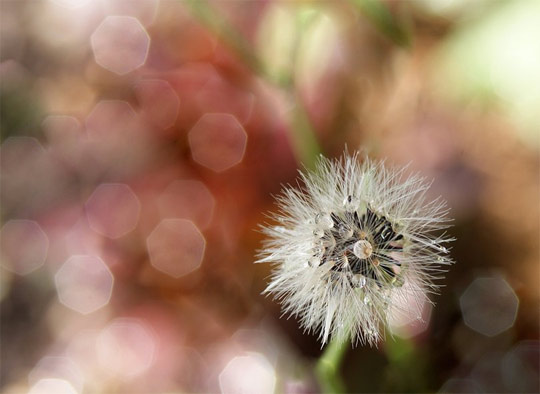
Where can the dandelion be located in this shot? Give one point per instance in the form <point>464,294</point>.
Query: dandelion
<point>357,237</point>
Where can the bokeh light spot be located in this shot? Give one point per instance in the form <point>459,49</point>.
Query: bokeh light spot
<point>489,306</point>
<point>248,374</point>
<point>66,139</point>
<point>82,347</point>
<point>187,199</point>
<point>176,247</point>
<point>24,246</point>
<point>113,210</point>
<point>109,117</point>
<point>521,368</point>
<point>16,148</point>
<point>117,139</point>
<point>84,283</point>
<point>60,127</point>
<point>486,372</point>
<point>58,368</point>
<point>120,44</point>
<point>218,141</point>
<point>51,385</point>
<point>159,102</point>
<point>126,348</point>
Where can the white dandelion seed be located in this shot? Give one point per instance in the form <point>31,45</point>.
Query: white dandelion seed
<point>354,241</point>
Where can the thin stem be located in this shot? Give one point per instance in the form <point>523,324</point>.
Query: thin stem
<point>303,138</point>
<point>327,368</point>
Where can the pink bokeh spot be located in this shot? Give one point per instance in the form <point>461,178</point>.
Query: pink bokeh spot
<point>159,102</point>
<point>176,247</point>
<point>120,44</point>
<point>113,210</point>
<point>126,348</point>
<point>218,141</point>
<point>84,283</point>
<point>24,246</point>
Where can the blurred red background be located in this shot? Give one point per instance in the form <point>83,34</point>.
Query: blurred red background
<point>143,141</point>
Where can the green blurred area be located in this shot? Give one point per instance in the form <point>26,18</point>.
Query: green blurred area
<point>493,61</point>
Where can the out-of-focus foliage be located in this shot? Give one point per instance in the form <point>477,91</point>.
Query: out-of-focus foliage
<point>494,61</point>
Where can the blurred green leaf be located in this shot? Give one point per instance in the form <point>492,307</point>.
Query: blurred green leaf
<point>381,17</point>
<point>304,141</point>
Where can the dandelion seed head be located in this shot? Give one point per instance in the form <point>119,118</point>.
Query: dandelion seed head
<point>356,237</point>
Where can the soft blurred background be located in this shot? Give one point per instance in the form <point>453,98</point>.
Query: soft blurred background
<point>143,141</point>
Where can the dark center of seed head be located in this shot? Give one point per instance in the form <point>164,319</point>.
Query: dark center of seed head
<point>351,242</point>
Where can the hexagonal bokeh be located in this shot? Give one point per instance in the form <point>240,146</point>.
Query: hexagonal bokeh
<point>248,374</point>
<point>117,139</point>
<point>126,347</point>
<point>82,346</point>
<point>120,44</point>
<point>58,368</point>
<point>113,210</point>
<point>187,199</point>
<point>84,283</point>
<point>176,247</point>
<point>486,371</point>
<point>58,128</point>
<point>218,141</point>
<point>24,246</point>
<point>521,367</point>
<point>72,237</point>
<point>109,117</point>
<point>52,385</point>
<point>66,138</point>
<point>159,101</point>
<point>489,306</point>
<point>13,148</point>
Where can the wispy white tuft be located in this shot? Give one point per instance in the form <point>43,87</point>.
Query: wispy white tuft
<point>357,237</point>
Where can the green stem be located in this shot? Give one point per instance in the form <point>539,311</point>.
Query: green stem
<point>327,368</point>
<point>303,138</point>
<point>381,17</point>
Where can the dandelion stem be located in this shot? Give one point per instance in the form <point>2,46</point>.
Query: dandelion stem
<point>327,368</point>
